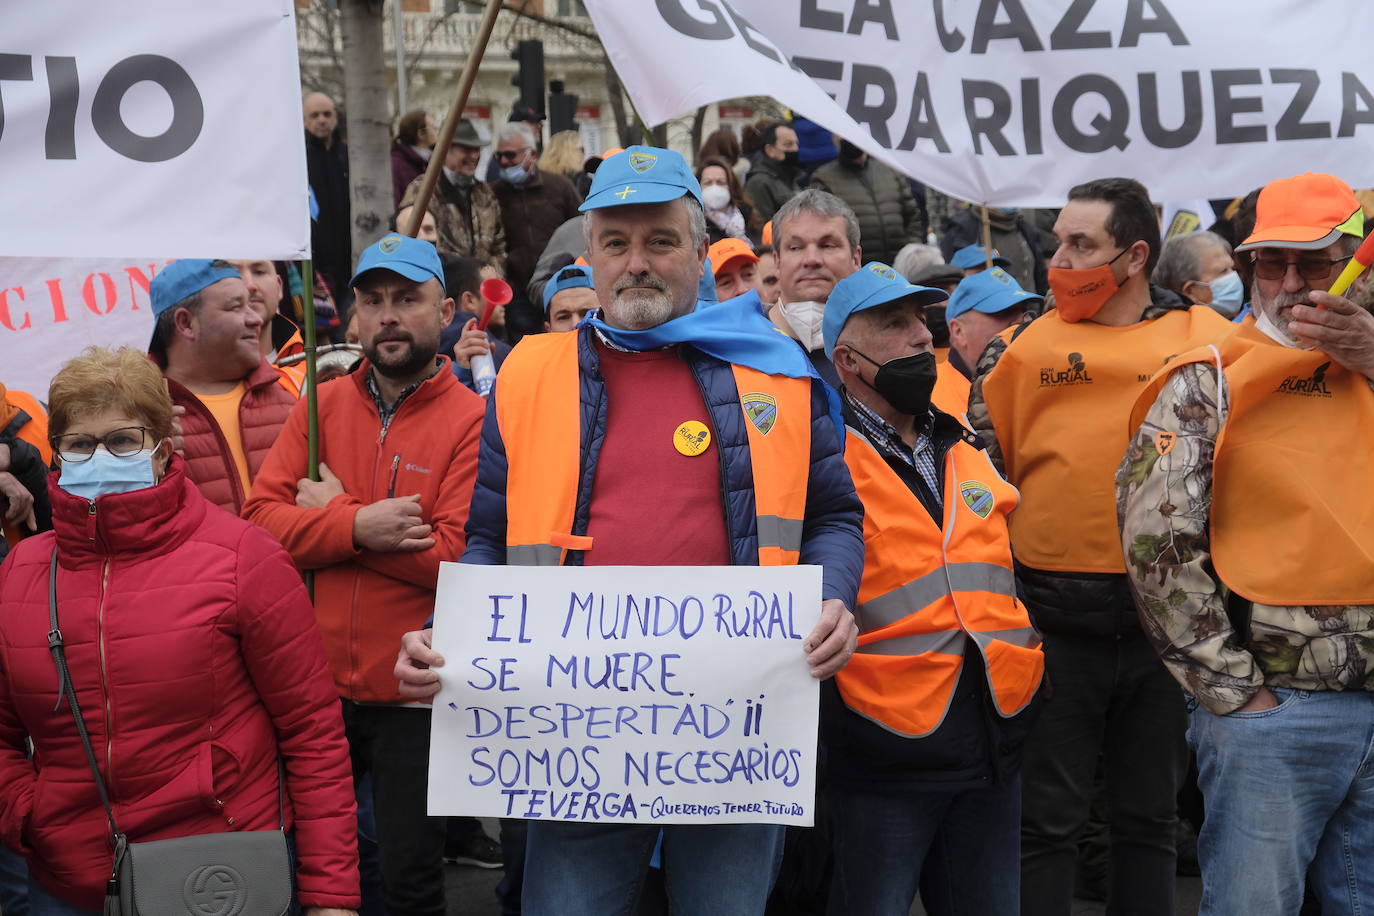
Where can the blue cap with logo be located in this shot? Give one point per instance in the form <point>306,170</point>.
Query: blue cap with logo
<point>414,259</point>
<point>641,175</point>
<point>989,292</point>
<point>184,278</point>
<point>971,256</point>
<point>574,276</point>
<point>872,285</point>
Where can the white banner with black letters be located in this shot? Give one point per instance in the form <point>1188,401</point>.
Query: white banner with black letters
<point>168,128</point>
<point>1012,102</point>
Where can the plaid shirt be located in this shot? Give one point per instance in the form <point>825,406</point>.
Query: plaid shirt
<point>886,439</point>
<point>386,411</point>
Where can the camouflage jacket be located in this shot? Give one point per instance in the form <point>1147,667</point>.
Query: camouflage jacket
<point>468,224</point>
<point>1163,503</point>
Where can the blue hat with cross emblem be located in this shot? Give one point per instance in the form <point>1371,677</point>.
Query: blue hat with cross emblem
<point>641,175</point>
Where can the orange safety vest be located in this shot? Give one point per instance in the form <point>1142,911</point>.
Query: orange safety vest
<point>927,593</point>
<point>34,432</point>
<point>538,411</point>
<point>1059,400</point>
<point>951,390</point>
<point>1292,515</point>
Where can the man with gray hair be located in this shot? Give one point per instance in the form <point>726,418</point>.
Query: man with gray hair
<point>533,204</point>
<point>817,240</point>
<point>592,415</point>
<point>1198,266</point>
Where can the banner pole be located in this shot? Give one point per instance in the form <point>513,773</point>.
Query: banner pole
<point>455,113</point>
<point>308,331</point>
<point>987,237</point>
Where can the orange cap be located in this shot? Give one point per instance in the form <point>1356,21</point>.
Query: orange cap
<point>611,152</point>
<point>767,236</point>
<point>727,250</point>
<point>1308,212</point>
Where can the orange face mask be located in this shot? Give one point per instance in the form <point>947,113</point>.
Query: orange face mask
<point>1080,294</point>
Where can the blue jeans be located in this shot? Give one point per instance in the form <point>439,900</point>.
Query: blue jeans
<point>1286,789</point>
<point>577,869</point>
<point>961,848</point>
<point>42,903</point>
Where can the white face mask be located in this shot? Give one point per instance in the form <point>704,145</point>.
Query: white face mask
<point>805,319</point>
<point>716,197</point>
<point>1276,333</point>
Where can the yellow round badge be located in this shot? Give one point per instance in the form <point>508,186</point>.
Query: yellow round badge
<point>691,438</point>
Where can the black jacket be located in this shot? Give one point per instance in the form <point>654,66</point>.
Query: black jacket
<point>331,234</point>
<point>974,746</point>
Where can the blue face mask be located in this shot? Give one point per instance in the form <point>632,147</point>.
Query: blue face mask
<point>515,174</point>
<point>103,474</point>
<point>1228,293</point>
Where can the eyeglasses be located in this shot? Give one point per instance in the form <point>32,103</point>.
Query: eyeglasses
<point>1308,268</point>
<point>509,156</point>
<point>122,443</point>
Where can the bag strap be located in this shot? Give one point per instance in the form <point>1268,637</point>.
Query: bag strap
<point>65,687</point>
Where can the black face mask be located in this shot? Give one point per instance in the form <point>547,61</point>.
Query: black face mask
<point>791,159</point>
<point>906,382</point>
<point>849,152</point>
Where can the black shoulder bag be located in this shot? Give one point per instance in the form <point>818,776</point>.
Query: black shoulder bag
<point>247,872</point>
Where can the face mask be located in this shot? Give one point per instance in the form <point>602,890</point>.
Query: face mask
<point>1080,294</point>
<point>515,174</point>
<point>905,382</point>
<point>103,473</point>
<point>849,152</point>
<point>716,197</point>
<point>805,319</point>
<point>1228,293</point>
<point>791,159</point>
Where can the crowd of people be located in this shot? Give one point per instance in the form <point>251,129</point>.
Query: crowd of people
<point>1094,534</point>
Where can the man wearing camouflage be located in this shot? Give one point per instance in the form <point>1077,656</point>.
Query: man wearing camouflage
<point>1248,526</point>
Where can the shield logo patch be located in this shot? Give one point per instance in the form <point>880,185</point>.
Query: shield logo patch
<point>1164,442</point>
<point>761,409</point>
<point>977,497</point>
<point>642,162</point>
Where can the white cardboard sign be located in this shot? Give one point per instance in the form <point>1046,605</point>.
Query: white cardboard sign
<point>670,695</point>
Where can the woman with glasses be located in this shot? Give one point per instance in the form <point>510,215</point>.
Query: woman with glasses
<point>192,650</point>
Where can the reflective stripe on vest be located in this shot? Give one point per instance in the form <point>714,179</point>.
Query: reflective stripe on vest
<point>1291,457</point>
<point>538,413</point>
<point>928,592</point>
<point>1058,400</point>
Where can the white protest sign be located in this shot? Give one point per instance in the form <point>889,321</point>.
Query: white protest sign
<point>132,128</point>
<point>53,308</point>
<point>1012,102</point>
<point>669,695</point>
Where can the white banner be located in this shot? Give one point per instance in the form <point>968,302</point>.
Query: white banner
<point>53,308</point>
<point>1012,102</point>
<point>673,695</point>
<point>169,127</point>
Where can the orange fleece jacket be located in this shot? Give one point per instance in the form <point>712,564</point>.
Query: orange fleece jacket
<point>365,600</point>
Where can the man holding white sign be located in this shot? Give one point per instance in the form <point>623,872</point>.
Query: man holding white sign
<point>720,425</point>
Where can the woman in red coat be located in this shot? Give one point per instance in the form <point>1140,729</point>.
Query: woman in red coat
<point>193,652</point>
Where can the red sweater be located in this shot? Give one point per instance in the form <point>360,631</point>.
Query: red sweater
<point>365,601</point>
<point>652,505</point>
<point>196,661</point>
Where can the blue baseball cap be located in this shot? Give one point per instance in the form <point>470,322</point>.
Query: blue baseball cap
<point>972,256</point>
<point>414,259</point>
<point>641,175</point>
<point>574,276</point>
<point>872,285</point>
<point>989,292</point>
<point>184,278</point>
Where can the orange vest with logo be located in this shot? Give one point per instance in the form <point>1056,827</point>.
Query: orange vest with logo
<point>951,390</point>
<point>1292,516</point>
<point>538,411</point>
<point>928,593</point>
<point>1059,400</point>
<point>34,432</point>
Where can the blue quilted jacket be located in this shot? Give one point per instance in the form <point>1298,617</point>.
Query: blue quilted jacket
<point>833,531</point>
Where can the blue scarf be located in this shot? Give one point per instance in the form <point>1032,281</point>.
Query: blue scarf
<point>734,332</point>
